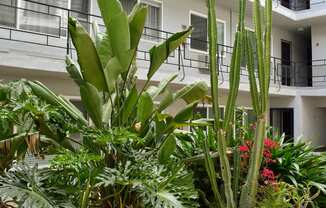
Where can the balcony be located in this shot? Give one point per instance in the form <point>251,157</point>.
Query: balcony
<point>54,41</point>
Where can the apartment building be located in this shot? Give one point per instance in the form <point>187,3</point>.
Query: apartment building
<point>34,42</point>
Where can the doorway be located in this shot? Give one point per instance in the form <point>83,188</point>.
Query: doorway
<point>281,119</point>
<point>286,56</point>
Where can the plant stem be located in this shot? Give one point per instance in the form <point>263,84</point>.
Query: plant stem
<point>225,166</point>
<point>249,190</point>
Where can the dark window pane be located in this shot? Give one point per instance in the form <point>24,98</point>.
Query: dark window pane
<point>8,13</point>
<point>199,34</point>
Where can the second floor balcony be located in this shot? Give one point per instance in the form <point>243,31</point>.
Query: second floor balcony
<point>40,30</point>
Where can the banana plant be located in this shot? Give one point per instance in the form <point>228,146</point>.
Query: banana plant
<point>259,95</point>
<point>105,74</point>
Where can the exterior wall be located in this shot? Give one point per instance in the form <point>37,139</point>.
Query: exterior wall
<point>318,42</point>
<point>46,64</point>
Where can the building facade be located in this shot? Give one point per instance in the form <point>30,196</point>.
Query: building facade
<point>34,42</point>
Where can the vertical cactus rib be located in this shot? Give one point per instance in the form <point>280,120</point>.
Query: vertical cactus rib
<point>212,176</point>
<point>225,166</point>
<point>252,78</point>
<point>259,41</point>
<point>268,32</point>
<point>260,102</point>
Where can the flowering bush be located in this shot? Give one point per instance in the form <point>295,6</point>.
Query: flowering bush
<point>267,174</point>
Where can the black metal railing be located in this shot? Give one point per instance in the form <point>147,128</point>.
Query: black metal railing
<point>299,5</point>
<point>185,59</point>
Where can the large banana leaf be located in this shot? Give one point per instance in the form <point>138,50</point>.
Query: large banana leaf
<point>158,54</point>
<point>137,20</point>
<point>43,92</point>
<point>145,107</point>
<point>156,91</point>
<point>93,102</point>
<point>109,9</point>
<point>193,92</point>
<point>88,59</point>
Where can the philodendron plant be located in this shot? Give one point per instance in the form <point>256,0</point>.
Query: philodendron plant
<point>107,81</point>
<point>243,45</point>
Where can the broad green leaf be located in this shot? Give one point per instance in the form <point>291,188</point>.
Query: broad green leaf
<point>167,99</point>
<point>137,20</point>
<point>104,49</point>
<point>119,36</point>
<point>156,91</point>
<point>109,9</point>
<point>167,149</point>
<point>88,59</point>
<point>129,104</point>
<point>193,92</point>
<point>158,54</point>
<point>145,107</point>
<point>186,113</point>
<point>92,101</point>
<point>43,92</point>
<point>73,71</point>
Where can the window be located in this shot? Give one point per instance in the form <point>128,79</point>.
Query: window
<point>153,20</point>
<point>128,5</point>
<point>39,17</point>
<point>8,13</point>
<point>82,6</point>
<point>200,33</point>
<point>43,16</point>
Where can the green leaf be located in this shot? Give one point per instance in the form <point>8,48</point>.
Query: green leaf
<point>158,54</point>
<point>114,69</point>
<point>119,36</point>
<point>156,91</point>
<point>137,20</point>
<point>109,9</point>
<point>103,47</point>
<point>93,103</point>
<point>167,149</point>
<point>167,99</point>
<point>88,59</point>
<point>73,71</point>
<point>186,113</point>
<point>43,92</point>
<point>193,92</point>
<point>145,107</point>
<point>129,104</point>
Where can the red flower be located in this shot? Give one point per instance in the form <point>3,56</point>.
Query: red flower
<point>268,143</point>
<point>268,174</point>
<point>267,154</point>
<point>244,148</point>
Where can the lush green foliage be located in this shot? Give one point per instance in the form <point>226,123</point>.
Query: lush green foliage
<point>126,156</point>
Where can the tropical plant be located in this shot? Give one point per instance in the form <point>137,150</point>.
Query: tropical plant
<point>27,187</point>
<point>25,123</point>
<point>298,164</point>
<point>126,128</point>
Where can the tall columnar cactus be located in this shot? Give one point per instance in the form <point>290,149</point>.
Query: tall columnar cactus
<point>223,129</point>
<point>259,98</point>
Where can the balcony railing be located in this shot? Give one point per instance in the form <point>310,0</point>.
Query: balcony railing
<point>185,60</point>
